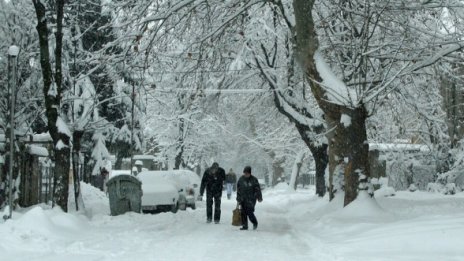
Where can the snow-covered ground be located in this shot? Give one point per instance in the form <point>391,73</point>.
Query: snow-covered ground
<point>292,226</point>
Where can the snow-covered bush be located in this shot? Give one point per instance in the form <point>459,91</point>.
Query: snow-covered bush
<point>383,190</point>
<point>409,167</point>
<point>412,188</point>
<point>451,181</point>
<point>447,189</point>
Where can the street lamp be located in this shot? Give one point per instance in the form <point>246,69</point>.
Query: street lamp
<point>13,52</point>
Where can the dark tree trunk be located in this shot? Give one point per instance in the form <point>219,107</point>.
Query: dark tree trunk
<point>61,141</point>
<point>321,160</point>
<point>62,165</point>
<point>87,168</point>
<point>348,147</point>
<point>319,154</point>
<point>118,163</point>
<point>77,135</point>
<point>179,161</point>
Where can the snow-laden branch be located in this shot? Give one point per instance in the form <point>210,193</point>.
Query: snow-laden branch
<point>229,19</point>
<point>437,56</point>
<point>336,90</point>
<point>177,7</point>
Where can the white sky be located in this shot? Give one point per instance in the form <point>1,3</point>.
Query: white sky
<point>292,226</point>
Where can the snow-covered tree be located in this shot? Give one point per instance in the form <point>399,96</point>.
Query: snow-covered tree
<point>354,53</point>
<point>53,90</point>
<point>100,153</point>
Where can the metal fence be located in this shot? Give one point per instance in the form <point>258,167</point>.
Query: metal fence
<point>46,181</point>
<point>307,179</point>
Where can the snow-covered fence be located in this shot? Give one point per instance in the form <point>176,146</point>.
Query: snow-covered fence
<point>306,179</point>
<point>46,188</point>
<point>35,175</point>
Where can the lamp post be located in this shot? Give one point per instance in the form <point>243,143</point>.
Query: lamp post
<point>132,131</point>
<point>13,52</point>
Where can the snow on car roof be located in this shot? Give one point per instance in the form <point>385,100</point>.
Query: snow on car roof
<point>150,181</point>
<point>180,177</point>
<point>117,172</point>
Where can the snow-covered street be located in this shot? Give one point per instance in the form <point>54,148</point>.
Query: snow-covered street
<point>292,226</point>
<point>349,115</point>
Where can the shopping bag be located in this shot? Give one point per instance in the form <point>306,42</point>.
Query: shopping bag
<point>236,217</point>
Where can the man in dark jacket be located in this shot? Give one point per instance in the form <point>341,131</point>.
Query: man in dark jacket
<point>213,181</point>
<point>248,191</point>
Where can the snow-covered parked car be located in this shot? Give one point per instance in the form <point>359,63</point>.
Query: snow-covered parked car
<point>117,172</point>
<point>187,183</point>
<point>159,194</point>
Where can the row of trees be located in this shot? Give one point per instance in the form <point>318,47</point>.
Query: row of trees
<point>237,81</point>
<point>67,87</point>
<point>344,72</point>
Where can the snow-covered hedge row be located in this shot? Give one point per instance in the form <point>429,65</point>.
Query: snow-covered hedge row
<point>405,169</point>
<point>451,181</point>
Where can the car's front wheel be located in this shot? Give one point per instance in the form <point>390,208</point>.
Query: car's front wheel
<point>182,202</point>
<point>183,206</point>
<point>174,208</point>
<point>193,206</point>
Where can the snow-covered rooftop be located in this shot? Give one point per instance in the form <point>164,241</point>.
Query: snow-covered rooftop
<point>398,147</point>
<point>144,157</point>
<point>37,150</point>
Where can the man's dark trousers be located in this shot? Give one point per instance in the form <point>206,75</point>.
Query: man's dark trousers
<point>217,206</point>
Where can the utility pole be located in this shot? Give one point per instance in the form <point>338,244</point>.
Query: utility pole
<point>13,52</point>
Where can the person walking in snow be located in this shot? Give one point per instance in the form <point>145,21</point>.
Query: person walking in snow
<point>248,191</point>
<point>213,182</point>
<point>100,180</point>
<point>231,180</point>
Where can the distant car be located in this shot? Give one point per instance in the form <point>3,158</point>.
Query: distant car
<point>159,194</point>
<point>187,183</point>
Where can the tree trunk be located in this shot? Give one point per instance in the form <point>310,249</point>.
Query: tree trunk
<point>61,188</point>
<point>52,95</point>
<point>348,151</point>
<point>348,147</point>
<point>77,135</point>
<point>296,171</point>
<point>277,169</point>
<point>118,163</point>
<point>179,160</point>
<point>320,159</point>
